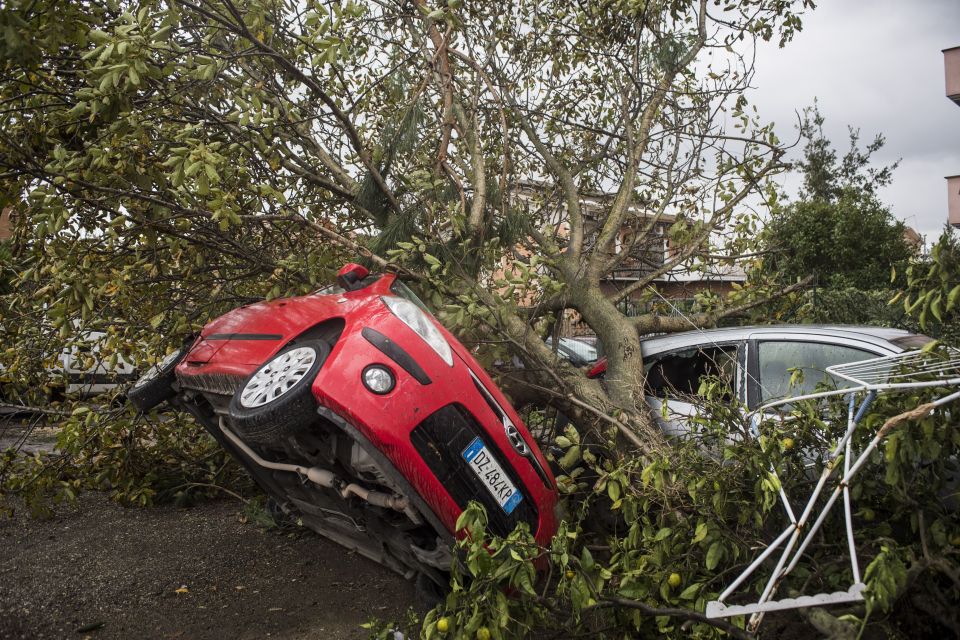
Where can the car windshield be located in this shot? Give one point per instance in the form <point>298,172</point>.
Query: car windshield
<point>335,289</point>
<point>404,291</point>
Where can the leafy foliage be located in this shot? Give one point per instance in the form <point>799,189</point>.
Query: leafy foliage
<point>933,289</point>
<point>825,177</point>
<point>137,460</point>
<point>838,229</point>
<point>855,306</point>
<point>851,242</point>
<point>683,527</point>
<point>8,269</point>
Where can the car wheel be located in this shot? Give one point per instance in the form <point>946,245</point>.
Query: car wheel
<point>275,510</point>
<point>276,400</point>
<point>427,593</point>
<point>156,384</point>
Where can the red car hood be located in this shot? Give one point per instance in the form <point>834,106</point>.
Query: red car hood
<point>272,322</point>
<point>248,336</point>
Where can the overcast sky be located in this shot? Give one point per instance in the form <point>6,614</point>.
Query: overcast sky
<point>876,65</point>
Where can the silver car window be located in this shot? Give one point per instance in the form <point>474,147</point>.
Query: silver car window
<point>796,368</point>
<point>680,373</point>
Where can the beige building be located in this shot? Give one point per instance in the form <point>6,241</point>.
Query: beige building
<point>6,226</point>
<point>951,65</point>
<point>676,288</point>
<point>913,239</point>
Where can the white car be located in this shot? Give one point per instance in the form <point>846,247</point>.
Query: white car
<point>580,351</point>
<point>88,372</point>
<point>81,369</point>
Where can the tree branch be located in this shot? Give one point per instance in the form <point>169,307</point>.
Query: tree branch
<point>672,612</point>
<point>653,323</point>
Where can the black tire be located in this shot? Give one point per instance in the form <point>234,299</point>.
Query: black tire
<point>427,593</point>
<point>286,414</point>
<point>275,510</point>
<point>156,384</point>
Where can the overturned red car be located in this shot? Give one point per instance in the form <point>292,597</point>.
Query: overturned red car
<point>357,412</point>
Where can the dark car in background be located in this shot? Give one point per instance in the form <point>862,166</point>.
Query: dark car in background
<point>581,351</point>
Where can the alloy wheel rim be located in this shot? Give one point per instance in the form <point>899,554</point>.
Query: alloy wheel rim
<point>277,378</point>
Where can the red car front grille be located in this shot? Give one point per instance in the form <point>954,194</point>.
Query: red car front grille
<point>218,383</point>
<point>440,439</point>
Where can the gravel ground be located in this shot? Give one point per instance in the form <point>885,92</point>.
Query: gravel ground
<point>103,571</point>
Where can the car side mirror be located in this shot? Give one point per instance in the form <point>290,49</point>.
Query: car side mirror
<point>351,275</point>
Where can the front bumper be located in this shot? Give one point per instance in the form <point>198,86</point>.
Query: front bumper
<point>425,422</point>
<point>418,426</point>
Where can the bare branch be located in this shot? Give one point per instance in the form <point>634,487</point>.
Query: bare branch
<point>654,323</point>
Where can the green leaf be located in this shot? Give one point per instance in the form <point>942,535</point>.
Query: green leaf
<point>714,555</point>
<point>586,559</point>
<point>952,298</point>
<point>663,534</point>
<point>701,532</point>
<point>935,308</point>
<point>160,34</point>
<point>930,346</point>
<point>193,168</point>
<point>571,457</point>
<point>690,592</point>
<point>613,490</point>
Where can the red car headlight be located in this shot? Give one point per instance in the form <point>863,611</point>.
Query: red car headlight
<point>415,318</point>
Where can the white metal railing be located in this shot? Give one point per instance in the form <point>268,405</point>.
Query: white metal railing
<point>910,370</point>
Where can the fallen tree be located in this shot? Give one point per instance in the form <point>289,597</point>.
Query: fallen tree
<point>167,161</point>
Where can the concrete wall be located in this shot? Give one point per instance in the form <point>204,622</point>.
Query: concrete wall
<point>951,66</point>
<point>5,225</point>
<point>953,200</point>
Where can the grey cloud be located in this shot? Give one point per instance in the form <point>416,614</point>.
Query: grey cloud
<point>876,66</point>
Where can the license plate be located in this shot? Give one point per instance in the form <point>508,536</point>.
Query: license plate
<point>491,475</point>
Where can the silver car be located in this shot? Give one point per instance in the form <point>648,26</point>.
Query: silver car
<point>580,351</point>
<point>757,364</point>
